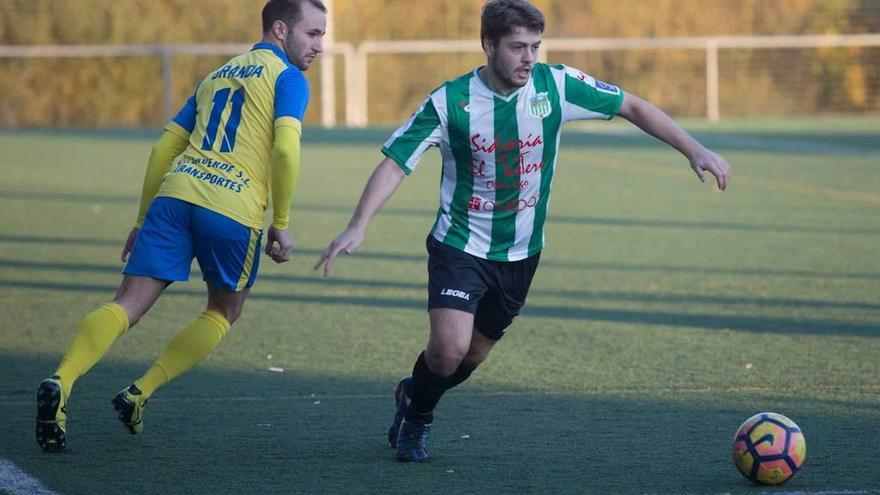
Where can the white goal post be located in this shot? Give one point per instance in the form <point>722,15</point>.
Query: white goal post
<point>357,115</point>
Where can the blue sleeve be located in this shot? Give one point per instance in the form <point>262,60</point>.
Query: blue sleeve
<point>186,117</point>
<point>291,94</point>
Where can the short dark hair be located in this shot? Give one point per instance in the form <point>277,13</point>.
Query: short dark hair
<point>288,11</point>
<point>501,17</point>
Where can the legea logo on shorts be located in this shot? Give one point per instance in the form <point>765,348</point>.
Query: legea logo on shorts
<point>456,293</point>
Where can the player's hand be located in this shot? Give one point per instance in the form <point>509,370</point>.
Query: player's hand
<point>709,161</point>
<point>278,245</point>
<point>347,242</point>
<point>129,244</point>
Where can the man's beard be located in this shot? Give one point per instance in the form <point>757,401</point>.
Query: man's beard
<point>507,81</point>
<point>298,63</point>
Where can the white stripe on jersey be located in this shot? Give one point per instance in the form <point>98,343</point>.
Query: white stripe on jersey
<point>434,137</point>
<point>448,179</point>
<point>431,140</point>
<point>482,112</point>
<point>530,129</point>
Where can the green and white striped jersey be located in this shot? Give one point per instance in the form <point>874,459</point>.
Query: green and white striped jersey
<point>499,154</point>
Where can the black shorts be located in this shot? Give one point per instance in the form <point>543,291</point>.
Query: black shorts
<point>492,291</point>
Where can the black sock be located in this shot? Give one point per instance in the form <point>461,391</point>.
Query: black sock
<point>462,373</point>
<point>427,388</point>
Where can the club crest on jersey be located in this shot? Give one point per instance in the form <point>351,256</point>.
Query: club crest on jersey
<point>539,106</point>
<point>607,88</point>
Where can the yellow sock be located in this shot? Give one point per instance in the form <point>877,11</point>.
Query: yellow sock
<point>187,348</point>
<point>93,338</point>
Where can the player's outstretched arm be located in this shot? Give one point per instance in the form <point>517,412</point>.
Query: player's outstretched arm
<point>652,120</point>
<point>382,184</point>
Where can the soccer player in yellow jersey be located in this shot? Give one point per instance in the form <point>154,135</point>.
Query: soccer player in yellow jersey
<point>207,186</point>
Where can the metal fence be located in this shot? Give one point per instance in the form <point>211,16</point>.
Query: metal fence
<point>358,90</point>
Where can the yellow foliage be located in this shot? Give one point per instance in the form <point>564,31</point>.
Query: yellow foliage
<point>128,91</point>
<point>855,85</point>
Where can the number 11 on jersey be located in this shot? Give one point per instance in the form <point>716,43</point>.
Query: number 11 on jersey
<point>220,100</point>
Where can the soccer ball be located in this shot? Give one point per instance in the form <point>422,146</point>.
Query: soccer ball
<point>769,448</point>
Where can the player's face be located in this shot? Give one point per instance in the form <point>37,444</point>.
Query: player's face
<point>303,42</point>
<point>512,57</point>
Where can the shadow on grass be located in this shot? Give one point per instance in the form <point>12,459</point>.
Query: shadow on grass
<point>578,295</point>
<point>429,215</point>
<point>760,324</point>
<point>250,431</point>
<point>545,263</point>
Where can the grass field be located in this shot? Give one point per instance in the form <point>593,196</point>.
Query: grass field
<point>664,314</point>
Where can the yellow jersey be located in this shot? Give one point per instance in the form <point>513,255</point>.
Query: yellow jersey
<point>230,125</point>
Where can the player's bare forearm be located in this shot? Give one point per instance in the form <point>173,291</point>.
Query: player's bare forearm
<point>655,122</point>
<point>382,183</point>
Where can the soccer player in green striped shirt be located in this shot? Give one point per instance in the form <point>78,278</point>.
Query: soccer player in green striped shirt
<point>498,130</point>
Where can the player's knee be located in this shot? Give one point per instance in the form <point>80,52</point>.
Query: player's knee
<point>444,361</point>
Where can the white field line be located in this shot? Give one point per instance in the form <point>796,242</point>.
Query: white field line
<point>16,482</point>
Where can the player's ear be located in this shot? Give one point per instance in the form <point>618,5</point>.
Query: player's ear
<point>488,45</point>
<point>279,30</point>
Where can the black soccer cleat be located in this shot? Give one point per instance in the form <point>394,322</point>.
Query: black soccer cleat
<point>401,400</point>
<point>51,429</point>
<point>413,441</point>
